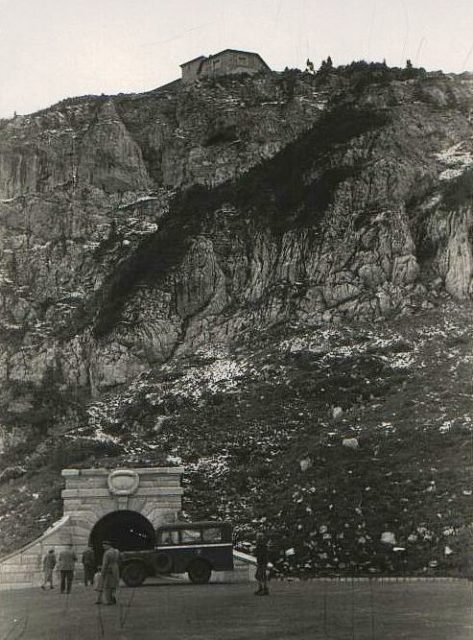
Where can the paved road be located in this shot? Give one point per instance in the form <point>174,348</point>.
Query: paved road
<point>293,611</point>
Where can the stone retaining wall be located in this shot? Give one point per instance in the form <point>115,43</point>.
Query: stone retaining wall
<point>23,568</point>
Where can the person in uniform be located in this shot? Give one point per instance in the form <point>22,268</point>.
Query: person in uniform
<point>49,562</point>
<point>88,562</point>
<point>110,572</point>
<point>66,561</point>
<point>261,553</point>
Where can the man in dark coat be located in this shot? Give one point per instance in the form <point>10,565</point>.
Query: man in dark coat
<point>88,562</point>
<point>49,562</point>
<point>66,561</point>
<point>110,572</point>
<point>261,553</point>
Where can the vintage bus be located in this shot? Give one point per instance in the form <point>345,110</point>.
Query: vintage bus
<point>196,548</point>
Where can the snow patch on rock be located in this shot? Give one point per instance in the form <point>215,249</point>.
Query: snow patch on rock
<point>456,159</point>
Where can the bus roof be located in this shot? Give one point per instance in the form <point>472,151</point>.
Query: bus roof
<point>192,525</point>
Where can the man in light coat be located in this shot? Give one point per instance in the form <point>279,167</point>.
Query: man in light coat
<point>65,565</point>
<point>110,572</point>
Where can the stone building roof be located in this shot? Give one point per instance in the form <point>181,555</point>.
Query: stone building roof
<point>216,55</point>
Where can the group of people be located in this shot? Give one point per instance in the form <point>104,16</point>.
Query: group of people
<point>104,578</point>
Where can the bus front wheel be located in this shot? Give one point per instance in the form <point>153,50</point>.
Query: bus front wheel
<point>199,572</point>
<point>133,574</point>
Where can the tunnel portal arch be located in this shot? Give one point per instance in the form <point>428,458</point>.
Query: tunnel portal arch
<point>124,506</point>
<point>126,530</point>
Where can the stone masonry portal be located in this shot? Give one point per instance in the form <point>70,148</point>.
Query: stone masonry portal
<point>92,494</point>
<point>125,504</point>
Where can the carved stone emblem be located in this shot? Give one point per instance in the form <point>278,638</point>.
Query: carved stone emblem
<point>123,482</point>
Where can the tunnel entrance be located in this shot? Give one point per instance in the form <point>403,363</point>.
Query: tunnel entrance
<point>126,530</point>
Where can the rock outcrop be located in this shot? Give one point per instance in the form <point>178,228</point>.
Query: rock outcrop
<point>137,228</point>
<point>140,232</point>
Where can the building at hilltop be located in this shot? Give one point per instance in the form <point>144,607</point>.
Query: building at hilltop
<point>229,61</point>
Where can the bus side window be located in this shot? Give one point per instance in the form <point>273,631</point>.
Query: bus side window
<point>190,535</point>
<point>212,535</point>
<point>170,537</point>
<point>166,537</point>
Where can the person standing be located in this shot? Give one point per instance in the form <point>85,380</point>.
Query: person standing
<point>110,572</point>
<point>88,562</point>
<point>98,585</point>
<point>66,562</point>
<point>49,562</point>
<point>261,553</point>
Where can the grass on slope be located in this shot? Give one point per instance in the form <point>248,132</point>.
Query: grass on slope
<point>352,447</point>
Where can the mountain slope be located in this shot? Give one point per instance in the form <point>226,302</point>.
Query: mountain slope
<point>242,275</point>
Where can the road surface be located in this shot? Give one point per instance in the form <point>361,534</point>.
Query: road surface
<point>293,611</point>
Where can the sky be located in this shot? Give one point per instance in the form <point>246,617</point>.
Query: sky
<point>54,49</point>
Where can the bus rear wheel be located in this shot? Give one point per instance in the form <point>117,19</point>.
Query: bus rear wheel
<point>133,574</point>
<point>199,572</point>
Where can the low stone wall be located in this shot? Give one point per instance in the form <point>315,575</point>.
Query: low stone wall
<point>244,570</point>
<point>23,568</point>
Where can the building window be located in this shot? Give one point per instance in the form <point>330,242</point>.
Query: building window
<point>242,59</point>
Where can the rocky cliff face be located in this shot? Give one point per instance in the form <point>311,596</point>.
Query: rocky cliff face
<point>330,206</point>
<point>85,186</point>
<point>351,216</point>
<point>136,230</point>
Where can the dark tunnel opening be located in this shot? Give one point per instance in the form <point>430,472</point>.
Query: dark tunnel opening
<point>126,530</point>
